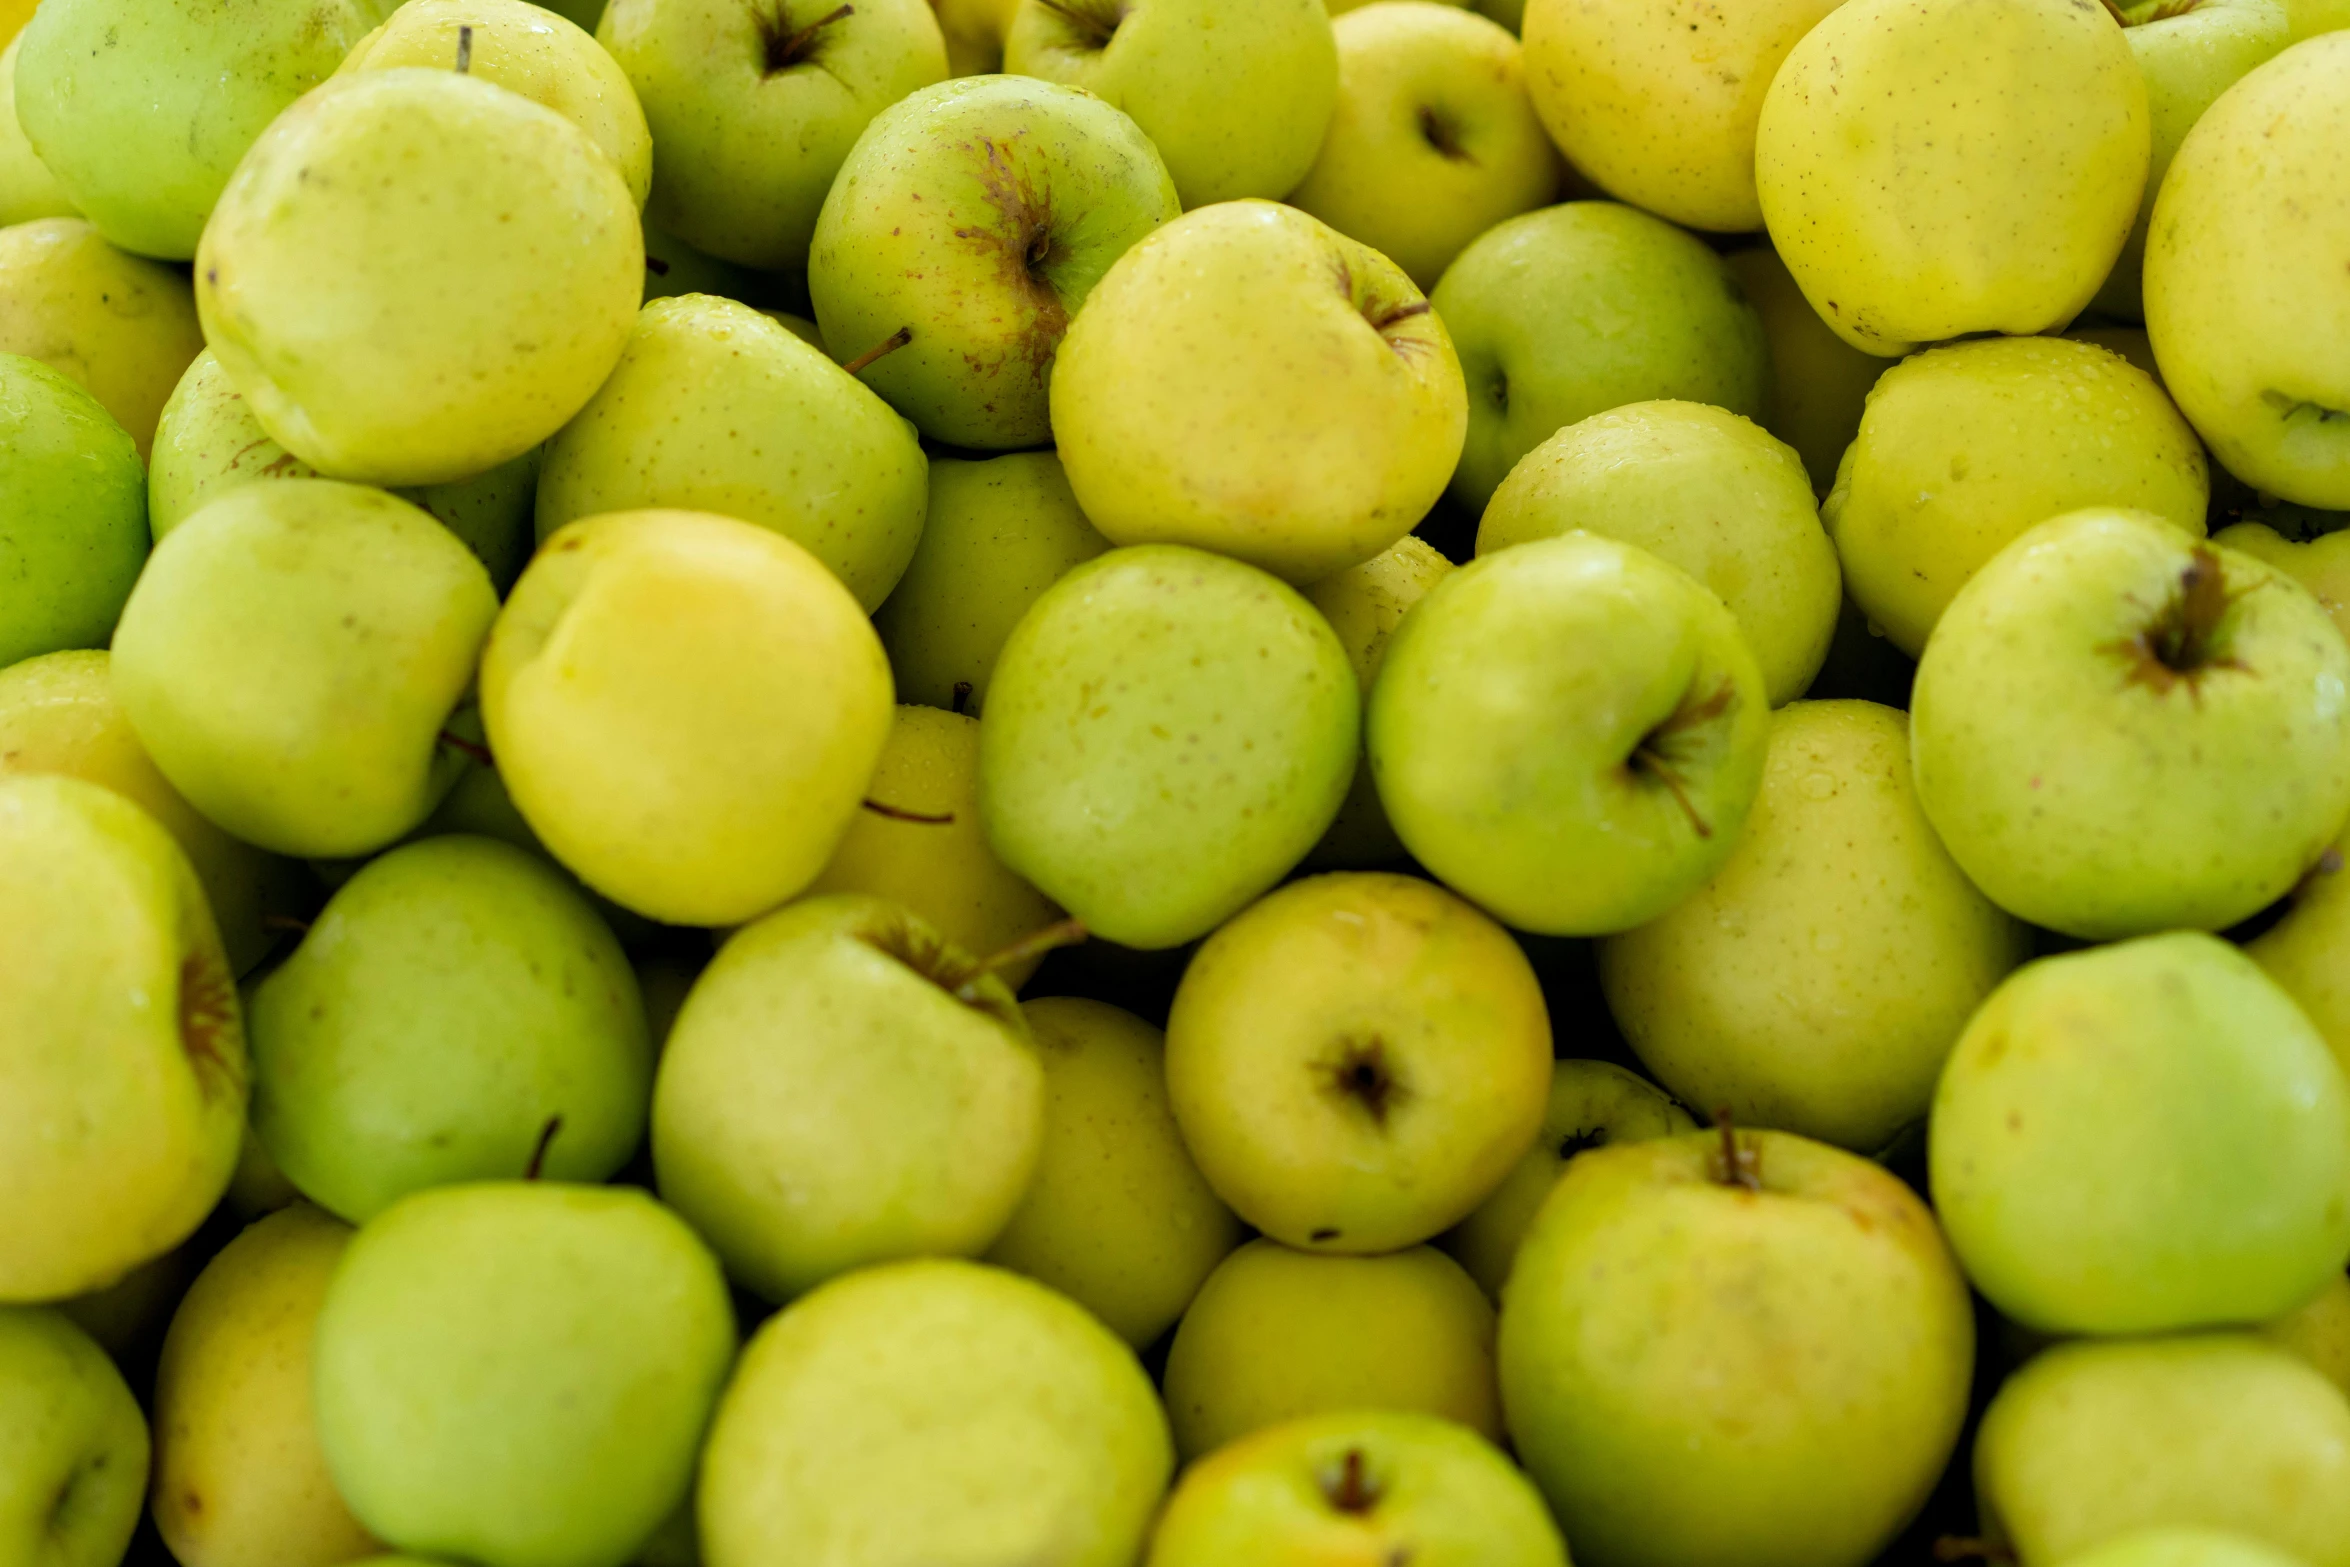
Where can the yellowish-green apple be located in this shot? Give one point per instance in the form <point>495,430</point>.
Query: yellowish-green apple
<point>2319,1332</point>
<point>934,1411</point>
<point>1963,448</point>
<point>1702,489</point>
<point>2310,17</point>
<point>1364,604</point>
<point>996,534</point>
<point>843,1087</point>
<point>2097,1440</point>
<point>122,1051</point>
<point>1933,168</point>
<point>1657,104</point>
<point>1650,1336</point>
<point>120,326</point>
<point>2144,1138</point>
<point>525,49</point>
<point>2131,342</point>
<point>293,659</point>
<point>73,1446</point>
<point>1357,1060</point>
<point>72,514</point>
<point>2246,298</point>
<point>1509,13</point>
<point>1359,1486</point>
<point>1249,380</point>
<point>1117,1217</point>
<point>1818,381</point>
<point>2322,564</point>
<point>673,267</point>
<point>1276,1334</point>
<point>916,842</point>
<point>2183,1548</point>
<point>416,275</point>
<point>1167,733</point>
<point>129,1316</point>
<point>1433,141</point>
<point>258,1187</point>
<point>27,189</point>
<point>1593,1104</point>
<point>1235,94</point>
<point>520,1374</point>
<point>715,407</point>
<point>142,112</point>
<point>975,32</point>
<point>2308,951</point>
<point>239,1477</point>
<point>754,104</point>
<point>1816,984</point>
<point>964,232</point>
<point>1569,733</point>
<point>2201,699</point>
<point>641,645</point>
<point>1570,311</point>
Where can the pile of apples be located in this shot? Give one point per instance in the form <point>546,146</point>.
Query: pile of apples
<point>1173,783</point>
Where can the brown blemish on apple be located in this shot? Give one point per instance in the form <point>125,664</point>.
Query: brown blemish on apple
<point>207,1011</point>
<point>2186,641</point>
<point>1025,246</point>
<point>1348,1485</point>
<point>1657,758</point>
<point>781,46</point>
<point>1736,1164</point>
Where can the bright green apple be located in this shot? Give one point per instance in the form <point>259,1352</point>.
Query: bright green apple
<point>1364,604</point>
<point>1818,382</point>
<point>27,189</point>
<point>120,326</point>
<point>73,1446</point>
<point>2308,951</point>
<point>2319,1332</point>
<point>73,514</point>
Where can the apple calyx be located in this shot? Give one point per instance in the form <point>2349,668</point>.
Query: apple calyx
<point>1361,1072</point>
<point>1439,132</point>
<point>2140,15</point>
<point>898,813</point>
<point>2187,639</point>
<point>465,51</point>
<point>1659,758</point>
<point>955,971</point>
<point>538,1154</point>
<point>1582,1140</point>
<point>1094,22</point>
<point>1736,1164</point>
<point>1347,1485</point>
<point>781,48</point>
<point>207,1010</point>
<point>888,345</point>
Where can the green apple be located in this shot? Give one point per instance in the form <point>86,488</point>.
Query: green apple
<point>1358,1486</point>
<point>2312,17</point>
<point>2319,1332</point>
<point>1117,1217</point>
<point>673,267</point>
<point>292,659</point>
<point>416,275</point>
<point>2308,951</point>
<point>1357,1060</point>
<point>2144,1138</point>
<point>2099,1440</point>
<point>121,327</point>
<point>1651,1336</point>
<point>73,514</point>
<point>239,1476</point>
<point>2183,1548</point>
<point>687,709</point>
<point>142,111</point>
<point>1818,981</point>
<point>1569,733</point>
<point>2246,300</point>
<point>1819,382</point>
<point>756,103</point>
<point>1433,141</point>
<point>1235,94</point>
<point>73,1446</point>
<point>2322,564</point>
<point>996,534</point>
<point>1702,489</point>
<point>967,227</point>
<point>2202,702</point>
<point>1276,1334</point>
<point>934,1411</point>
<point>845,1087</point>
<point>519,1374</point>
<point>1934,168</point>
<point>1167,733</point>
<point>1364,604</point>
<point>974,32</point>
<point>1657,104</point>
<point>1251,381</point>
<point>27,189</point>
<point>1583,307</point>
<point>1509,13</point>
<point>714,407</point>
<point>122,1053</point>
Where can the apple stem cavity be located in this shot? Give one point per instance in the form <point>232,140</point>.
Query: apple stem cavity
<point>1092,25</point>
<point>1064,933</point>
<point>1736,1165</point>
<point>1653,757</point>
<point>2184,642</point>
<point>472,748</point>
<point>207,1009</point>
<point>1440,133</point>
<point>888,345</point>
<point>465,51</point>
<point>538,1155</point>
<point>783,50</point>
<point>1363,1074</point>
<point>1349,1487</point>
<point>898,813</point>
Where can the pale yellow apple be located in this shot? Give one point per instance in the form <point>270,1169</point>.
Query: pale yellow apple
<point>27,189</point>
<point>2320,1333</point>
<point>119,325</point>
<point>2308,951</point>
<point>1819,382</point>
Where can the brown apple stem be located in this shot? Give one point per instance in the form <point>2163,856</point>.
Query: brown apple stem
<point>1735,1165</point>
<point>2115,12</point>
<point>472,748</point>
<point>789,50</point>
<point>1967,1548</point>
<point>1351,1491</point>
<point>285,922</point>
<point>1067,933</point>
<point>962,701</point>
<point>538,1155</point>
<point>656,266</point>
<point>888,345</point>
<point>464,51</point>
<point>897,813</point>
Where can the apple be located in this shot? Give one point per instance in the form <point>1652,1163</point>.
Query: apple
<point>934,1411</point>
<point>1819,382</point>
<point>2322,564</point>
<point>2312,17</point>
<point>755,103</point>
<point>1934,168</point>
<point>714,407</point>
<point>121,327</point>
<point>1570,311</point>
<point>1702,489</point>
<point>2184,1548</point>
<point>2202,700</point>
<point>2305,950</point>
<point>1570,734</point>
<point>673,267</point>
<point>974,32</point>
<point>1250,381</point>
<point>2319,1332</point>
<point>1509,13</point>
<point>1235,94</point>
<point>1357,1060</point>
<point>74,521</point>
<point>27,189</point>
<point>73,1445</point>
<point>1651,1331</point>
<point>974,218</point>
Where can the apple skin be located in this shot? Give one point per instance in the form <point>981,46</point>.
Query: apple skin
<point>1646,1336</point>
<point>73,523</point>
<point>1249,380</point>
<point>975,32</point>
<point>2097,1440</point>
<point>27,189</point>
<point>2312,17</point>
<point>1357,1060</point>
<point>1421,1488</point>
<point>2308,951</point>
<point>2246,301</point>
<point>2322,565</point>
<point>1819,382</point>
<point>2183,1548</point>
<point>2189,797</point>
<point>2172,1053</point>
<point>122,327</point>
<point>2015,134</point>
<point>978,215</point>
<point>73,1446</point>
<point>2319,1332</point>
<point>1569,733</point>
<point>1037,1436</point>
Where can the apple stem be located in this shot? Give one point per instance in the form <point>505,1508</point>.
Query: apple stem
<point>472,748</point>
<point>888,345</point>
<point>1067,933</point>
<point>1351,1491</point>
<point>1737,1166</point>
<point>464,51</point>
<point>1968,1548</point>
<point>538,1155</point>
<point>784,53</point>
<point>1097,32</point>
<point>962,698</point>
<point>898,813</point>
<point>285,922</point>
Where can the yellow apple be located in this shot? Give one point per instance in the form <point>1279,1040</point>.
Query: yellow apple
<point>121,326</point>
<point>1819,382</point>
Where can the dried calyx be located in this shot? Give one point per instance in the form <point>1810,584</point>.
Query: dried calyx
<point>2188,638</point>
<point>1361,1072</point>
<point>1662,756</point>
